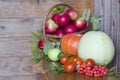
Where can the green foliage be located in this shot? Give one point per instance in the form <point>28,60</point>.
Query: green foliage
<point>95,22</point>
<point>38,54</point>
<point>32,42</point>
<point>58,9</point>
<point>36,35</point>
<point>50,45</point>
<point>111,71</point>
<point>86,14</point>
<point>55,66</point>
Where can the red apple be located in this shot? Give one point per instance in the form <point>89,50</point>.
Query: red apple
<point>50,26</point>
<point>54,16</point>
<point>41,44</point>
<point>80,23</point>
<point>60,33</point>
<point>70,29</point>
<point>63,20</point>
<point>73,14</point>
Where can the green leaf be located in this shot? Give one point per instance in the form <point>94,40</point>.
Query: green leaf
<point>35,60</point>
<point>58,9</point>
<point>60,54</point>
<point>35,35</point>
<point>33,42</point>
<point>57,44</point>
<point>84,14</point>
<point>111,73</point>
<point>88,14</point>
<point>55,66</point>
<point>34,48</point>
<point>112,68</point>
<point>46,47</point>
<point>38,54</point>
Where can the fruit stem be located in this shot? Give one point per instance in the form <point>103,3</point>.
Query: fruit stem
<point>96,22</point>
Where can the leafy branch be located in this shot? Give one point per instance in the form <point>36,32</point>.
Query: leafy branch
<point>38,54</point>
<point>55,66</point>
<point>111,71</point>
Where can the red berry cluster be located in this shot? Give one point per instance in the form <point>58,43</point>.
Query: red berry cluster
<point>92,70</point>
<point>100,71</point>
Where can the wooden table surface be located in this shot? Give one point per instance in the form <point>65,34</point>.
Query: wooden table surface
<point>76,76</point>
<point>52,75</point>
<point>56,76</point>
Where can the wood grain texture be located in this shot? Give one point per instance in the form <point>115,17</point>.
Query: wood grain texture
<point>19,66</point>
<point>25,8</point>
<point>117,8</point>
<point>36,8</point>
<point>110,12</point>
<point>81,5</point>
<point>15,47</point>
<point>19,27</point>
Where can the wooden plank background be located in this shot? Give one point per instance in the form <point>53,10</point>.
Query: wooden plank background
<point>110,12</point>
<point>20,17</point>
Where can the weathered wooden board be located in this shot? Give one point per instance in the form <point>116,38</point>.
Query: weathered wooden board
<point>25,8</point>
<point>109,10</point>
<point>35,8</point>
<point>19,27</point>
<point>81,5</point>
<point>19,66</point>
<point>15,47</point>
<point>117,16</point>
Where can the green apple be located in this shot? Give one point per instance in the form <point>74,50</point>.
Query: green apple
<point>53,54</point>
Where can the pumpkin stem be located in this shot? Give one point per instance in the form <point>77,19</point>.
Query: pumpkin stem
<point>96,22</point>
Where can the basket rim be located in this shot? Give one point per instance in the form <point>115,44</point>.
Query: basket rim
<point>52,36</point>
<point>47,14</point>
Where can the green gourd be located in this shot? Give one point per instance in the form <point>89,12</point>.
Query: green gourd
<point>98,46</point>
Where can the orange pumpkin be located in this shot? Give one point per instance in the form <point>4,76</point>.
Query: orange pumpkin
<point>69,43</point>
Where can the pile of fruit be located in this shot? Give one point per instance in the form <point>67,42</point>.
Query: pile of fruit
<point>87,67</point>
<point>87,53</point>
<point>66,21</point>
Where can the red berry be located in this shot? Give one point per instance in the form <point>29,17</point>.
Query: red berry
<point>92,71</point>
<point>99,71</point>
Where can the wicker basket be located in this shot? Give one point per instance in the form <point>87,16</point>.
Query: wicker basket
<point>53,37</point>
